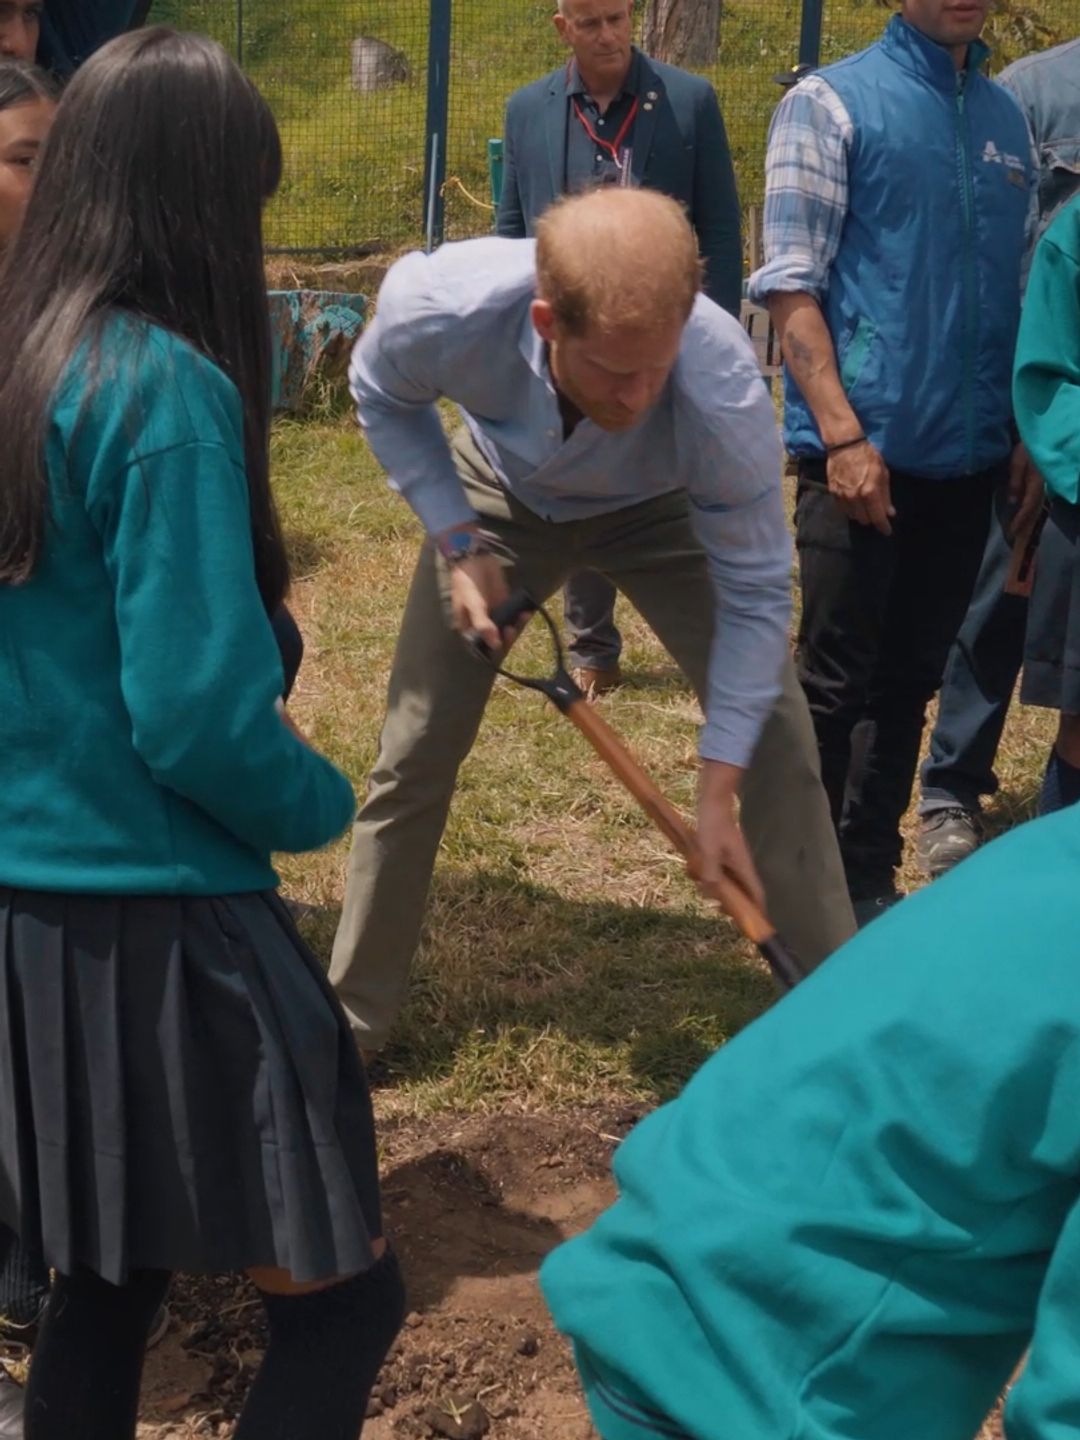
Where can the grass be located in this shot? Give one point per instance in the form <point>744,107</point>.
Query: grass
<point>565,957</point>
<point>355,163</point>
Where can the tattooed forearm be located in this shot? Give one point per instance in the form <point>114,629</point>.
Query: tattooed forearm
<point>811,360</point>
<point>805,359</point>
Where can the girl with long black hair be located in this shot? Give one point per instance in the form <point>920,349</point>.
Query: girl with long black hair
<point>178,1088</point>
<point>27,105</point>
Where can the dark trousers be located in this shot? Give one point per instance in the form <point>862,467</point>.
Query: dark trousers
<point>980,678</point>
<point>879,614</point>
<point>589,612</point>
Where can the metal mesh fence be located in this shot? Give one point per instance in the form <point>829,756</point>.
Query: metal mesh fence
<point>347,81</point>
<point>497,48</point>
<point>355,156</point>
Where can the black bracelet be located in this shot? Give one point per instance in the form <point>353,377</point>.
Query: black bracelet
<point>846,444</point>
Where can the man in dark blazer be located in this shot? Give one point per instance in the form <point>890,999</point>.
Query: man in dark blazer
<point>613,116</point>
<point>71,30</point>
<point>60,34</point>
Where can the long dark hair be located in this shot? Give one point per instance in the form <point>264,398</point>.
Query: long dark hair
<point>148,199</point>
<point>21,82</point>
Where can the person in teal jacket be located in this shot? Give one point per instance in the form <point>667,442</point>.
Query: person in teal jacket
<point>1046,393</point>
<point>862,1211</point>
<point>178,1086</point>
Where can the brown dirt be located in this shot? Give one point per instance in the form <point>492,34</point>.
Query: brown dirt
<point>473,1205</point>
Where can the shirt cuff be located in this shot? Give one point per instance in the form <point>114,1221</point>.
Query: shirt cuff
<point>438,503</point>
<point>729,741</point>
<point>787,275</point>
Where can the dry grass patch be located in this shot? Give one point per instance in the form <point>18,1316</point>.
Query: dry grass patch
<point>565,958</point>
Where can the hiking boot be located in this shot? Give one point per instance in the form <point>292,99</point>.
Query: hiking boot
<point>871,906</point>
<point>945,838</point>
<point>12,1403</point>
<point>593,682</point>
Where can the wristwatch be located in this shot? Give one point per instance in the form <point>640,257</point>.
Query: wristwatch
<point>458,545</point>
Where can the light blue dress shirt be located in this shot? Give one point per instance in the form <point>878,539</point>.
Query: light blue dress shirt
<point>456,324</point>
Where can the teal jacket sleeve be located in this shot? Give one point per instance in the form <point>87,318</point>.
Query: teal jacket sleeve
<point>1044,1404</point>
<point>200,670</point>
<point>1046,380</point>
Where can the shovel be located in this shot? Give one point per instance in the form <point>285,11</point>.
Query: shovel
<point>560,688</point>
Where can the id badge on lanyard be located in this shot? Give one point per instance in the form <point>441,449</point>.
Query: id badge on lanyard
<point>622,156</point>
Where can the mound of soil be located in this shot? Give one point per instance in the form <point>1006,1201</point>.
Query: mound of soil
<point>473,1207</point>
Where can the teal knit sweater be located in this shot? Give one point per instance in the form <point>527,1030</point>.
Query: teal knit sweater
<point>863,1209</point>
<point>140,749</point>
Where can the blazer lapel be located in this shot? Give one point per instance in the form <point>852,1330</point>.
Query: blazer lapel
<point>555,129</point>
<point>650,97</point>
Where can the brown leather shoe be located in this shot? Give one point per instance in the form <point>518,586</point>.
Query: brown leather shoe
<point>593,682</point>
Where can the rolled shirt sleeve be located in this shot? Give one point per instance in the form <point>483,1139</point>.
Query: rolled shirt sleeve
<point>806,191</point>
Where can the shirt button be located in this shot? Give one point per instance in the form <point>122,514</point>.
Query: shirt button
<point>599,159</point>
<point>600,121</point>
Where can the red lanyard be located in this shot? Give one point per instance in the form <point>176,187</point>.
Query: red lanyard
<point>611,146</point>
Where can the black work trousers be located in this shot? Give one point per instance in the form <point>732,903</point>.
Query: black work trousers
<point>879,615</point>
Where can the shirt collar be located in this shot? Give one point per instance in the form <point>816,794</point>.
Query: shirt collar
<point>533,348</point>
<point>631,85</point>
<point>925,57</point>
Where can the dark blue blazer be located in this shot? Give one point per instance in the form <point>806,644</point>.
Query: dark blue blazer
<point>71,30</point>
<point>679,147</point>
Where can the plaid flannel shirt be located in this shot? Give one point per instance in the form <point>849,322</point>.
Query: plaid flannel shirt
<point>806,194</point>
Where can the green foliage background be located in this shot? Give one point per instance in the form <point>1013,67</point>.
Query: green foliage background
<point>355,163</point>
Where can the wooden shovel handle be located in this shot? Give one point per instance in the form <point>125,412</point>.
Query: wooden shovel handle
<point>726,891</point>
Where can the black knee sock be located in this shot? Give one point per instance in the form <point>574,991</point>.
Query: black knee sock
<point>24,1285</point>
<point>1061,785</point>
<point>324,1354</point>
<point>84,1380</point>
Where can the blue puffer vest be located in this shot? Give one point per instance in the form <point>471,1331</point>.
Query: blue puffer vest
<point>924,296</point>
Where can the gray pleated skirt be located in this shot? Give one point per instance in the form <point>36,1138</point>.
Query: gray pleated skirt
<point>1051,675</point>
<point>179,1090</point>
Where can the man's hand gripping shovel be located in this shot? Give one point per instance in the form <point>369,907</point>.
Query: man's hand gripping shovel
<point>560,688</point>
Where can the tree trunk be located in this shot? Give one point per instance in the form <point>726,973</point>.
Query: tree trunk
<point>682,32</point>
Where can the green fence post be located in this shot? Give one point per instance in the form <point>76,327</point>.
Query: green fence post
<point>810,33</point>
<point>495,170</point>
<point>438,111</point>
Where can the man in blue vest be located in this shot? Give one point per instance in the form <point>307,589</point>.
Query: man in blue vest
<point>613,116</point>
<point>984,662</point>
<point>900,188</point>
